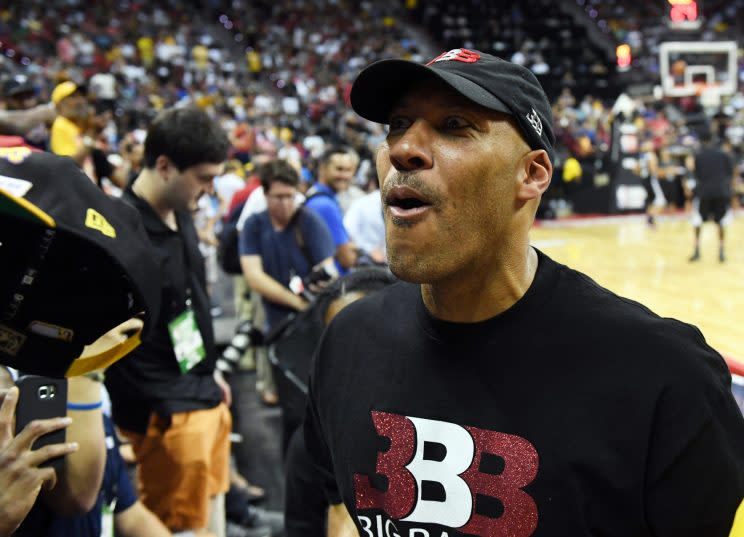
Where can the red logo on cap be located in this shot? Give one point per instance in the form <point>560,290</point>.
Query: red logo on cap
<point>457,54</point>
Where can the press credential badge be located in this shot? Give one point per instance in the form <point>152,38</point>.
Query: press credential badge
<point>187,341</point>
<point>107,519</point>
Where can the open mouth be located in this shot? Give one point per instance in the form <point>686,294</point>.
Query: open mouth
<point>406,203</point>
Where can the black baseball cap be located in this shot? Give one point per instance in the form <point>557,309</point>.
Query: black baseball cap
<point>17,86</point>
<point>74,264</point>
<point>486,80</point>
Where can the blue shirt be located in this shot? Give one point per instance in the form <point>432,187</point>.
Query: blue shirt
<point>280,252</point>
<point>116,486</point>
<point>327,207</point>
<point>330,211</point>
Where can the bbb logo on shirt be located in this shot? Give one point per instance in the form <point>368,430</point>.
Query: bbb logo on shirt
<point>437,470</point>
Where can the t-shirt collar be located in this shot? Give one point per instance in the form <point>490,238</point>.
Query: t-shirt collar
<point>325,188</point>
<point>538,292</point>
<point>150,219</point>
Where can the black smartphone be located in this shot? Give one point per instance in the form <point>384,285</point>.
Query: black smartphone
<point>41,398</point>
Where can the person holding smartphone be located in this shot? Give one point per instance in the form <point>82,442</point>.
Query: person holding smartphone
<point>62,243</point>
<point>74,489</point>
<point>91,491</point>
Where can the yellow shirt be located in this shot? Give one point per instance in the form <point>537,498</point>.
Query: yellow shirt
<point>571,170</point>
<point>200,53</point>
<point>146,48</point>
<point>254,61</point>
<point>65,139</point>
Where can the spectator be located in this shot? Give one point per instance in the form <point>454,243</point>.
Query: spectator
<point>169,399</point>
<point>228,184</point>
<point>336,169</point>
<point>68,136</point>
<point>366,225</point>
<point>282,245</point>
<point>103,261</point>
<point>19,94</point>
<point>116,499</point>
<point>21,478</point>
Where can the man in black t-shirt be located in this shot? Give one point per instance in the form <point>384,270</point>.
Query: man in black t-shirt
<point>714,171</point>
<point>168,397</point>
<point>499,393</point>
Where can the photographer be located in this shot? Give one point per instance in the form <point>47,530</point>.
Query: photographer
<point>281,246</point>
<point>21,478</point>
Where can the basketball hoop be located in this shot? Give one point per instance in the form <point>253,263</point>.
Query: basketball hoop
<point>690,68</point>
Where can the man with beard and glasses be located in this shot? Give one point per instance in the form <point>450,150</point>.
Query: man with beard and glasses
<point>496,392</point>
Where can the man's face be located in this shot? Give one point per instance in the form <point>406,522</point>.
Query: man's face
<point>338,172</point>
<point>136,154</point>
<point>187,186</point>
<point>280,202</point>
<point>74,107</point>
<point>448,178</point>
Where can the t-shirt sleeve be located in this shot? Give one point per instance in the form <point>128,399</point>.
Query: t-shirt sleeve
<point>248,244</point>
<point>331,215</point>
<point>126,497</point>
<point>695,477</point>
<point>317,237</point>
<point>117,484</point>
<point>317,448</point>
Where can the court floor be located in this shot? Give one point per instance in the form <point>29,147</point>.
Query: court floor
<point>651,265</point>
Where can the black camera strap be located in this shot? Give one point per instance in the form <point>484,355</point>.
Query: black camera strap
<point>296,223</point>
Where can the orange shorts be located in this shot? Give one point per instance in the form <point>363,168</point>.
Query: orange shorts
<point>181,466</point>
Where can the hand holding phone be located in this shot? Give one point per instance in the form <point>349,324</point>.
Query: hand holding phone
<point>42,398</point>
<point>22,475</point>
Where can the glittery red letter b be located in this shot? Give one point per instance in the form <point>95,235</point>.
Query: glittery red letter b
<point>520,468</point>
<point>399,499</point>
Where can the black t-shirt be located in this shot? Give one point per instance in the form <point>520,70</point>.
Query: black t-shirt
<point>149,379</point>
<point>573,413</point>
<point>714,170</point>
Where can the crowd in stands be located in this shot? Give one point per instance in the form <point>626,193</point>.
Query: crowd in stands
<point>276,77</point>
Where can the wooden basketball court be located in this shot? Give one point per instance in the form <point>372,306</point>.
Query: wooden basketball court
<point>651,265</point>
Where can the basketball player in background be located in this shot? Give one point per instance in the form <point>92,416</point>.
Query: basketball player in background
<point>715,175</point>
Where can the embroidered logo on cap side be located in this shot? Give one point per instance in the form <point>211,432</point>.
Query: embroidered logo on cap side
<point>535,121</point>
<point>95,220</point>
<point>457,54</point>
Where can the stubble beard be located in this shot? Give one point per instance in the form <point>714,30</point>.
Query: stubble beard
<point>413,267</point>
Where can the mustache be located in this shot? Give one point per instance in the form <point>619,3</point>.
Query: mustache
<point>412,180</point>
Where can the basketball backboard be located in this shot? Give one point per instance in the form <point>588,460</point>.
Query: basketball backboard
<point>696,67</point>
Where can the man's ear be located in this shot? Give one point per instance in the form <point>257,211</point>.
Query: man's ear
<point>537,171</point>
<point>163,166</point>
